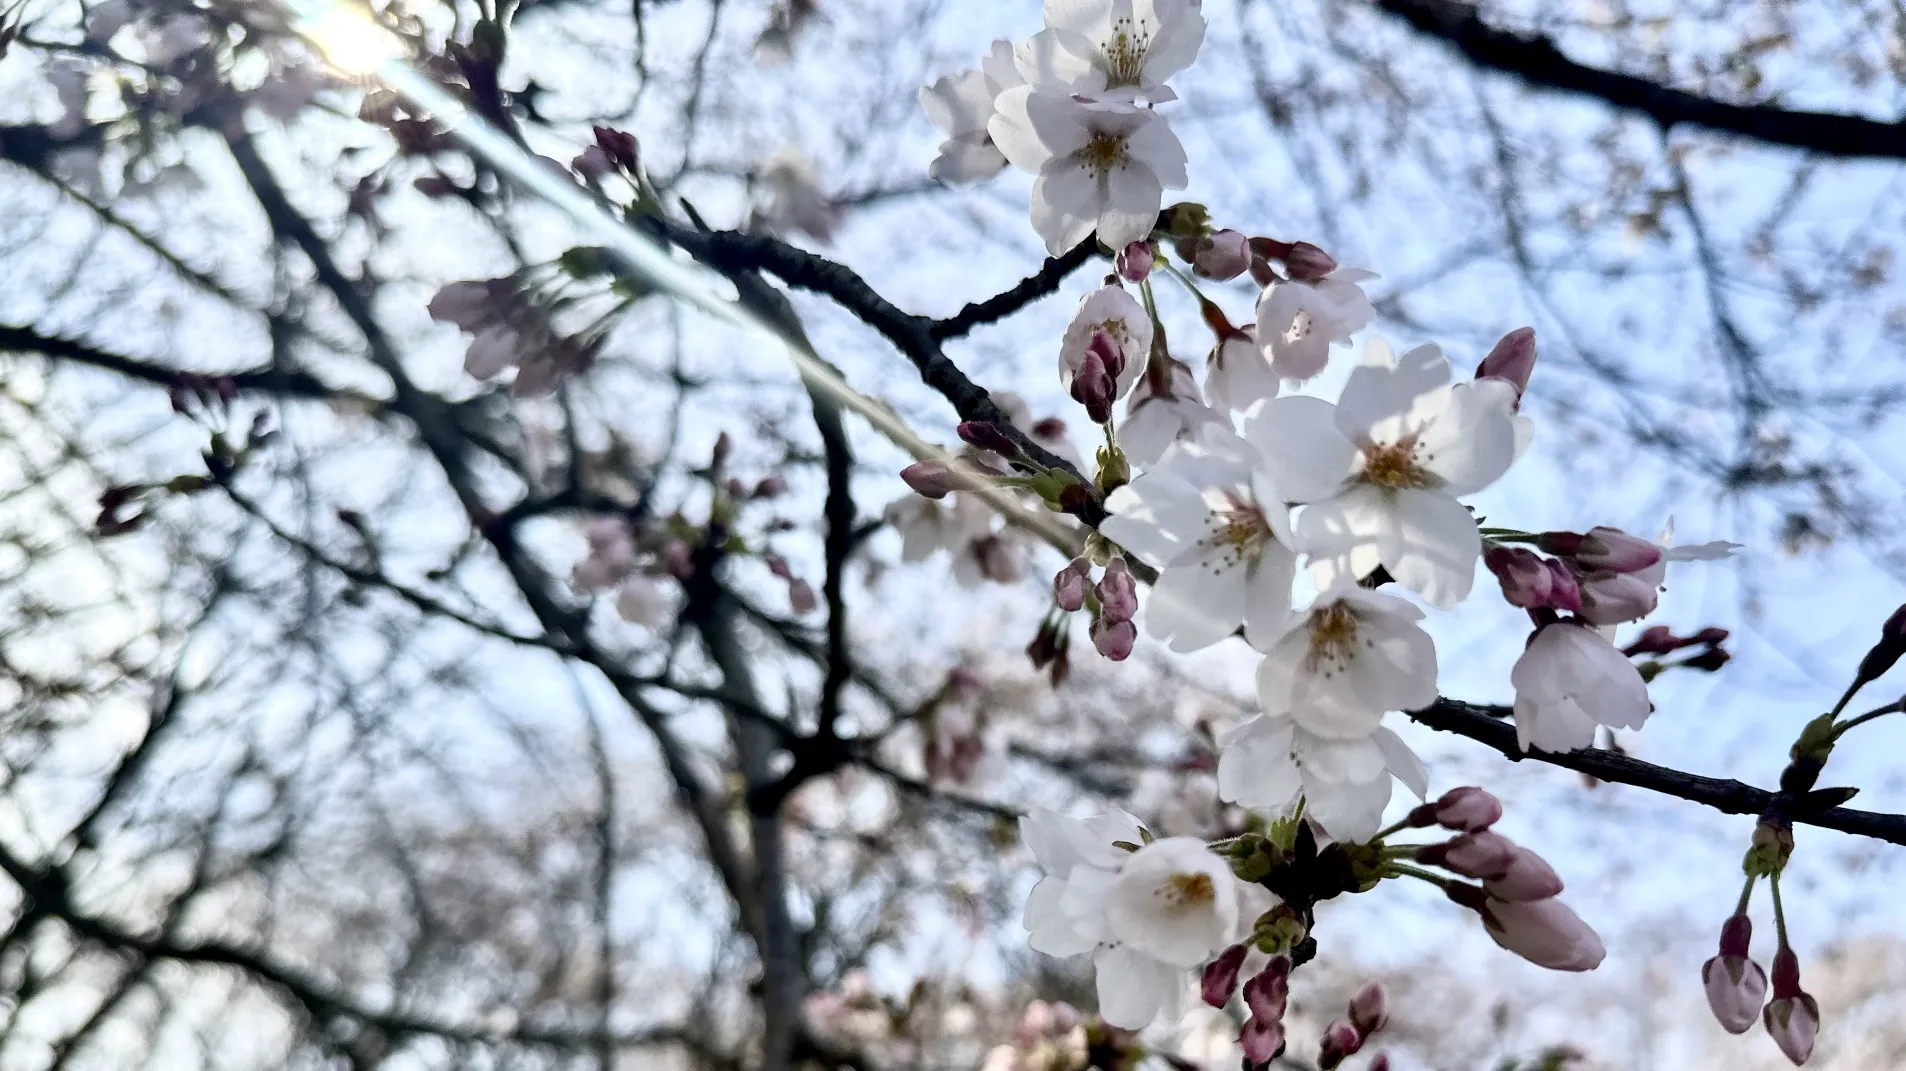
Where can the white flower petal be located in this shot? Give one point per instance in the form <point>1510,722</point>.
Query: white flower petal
<point>1431,546</point>
<point>1305,455</point>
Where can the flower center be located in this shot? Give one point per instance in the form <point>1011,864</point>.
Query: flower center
<point>1125,53</point>
<point>1395,466</point>
<point>1105,152</point>
<point>1182,891</point>
<point>1333,640</point>
<point>1238,532</point>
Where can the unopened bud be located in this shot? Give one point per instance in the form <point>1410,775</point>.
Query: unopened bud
<point>1370,1008</point>
<point>1135,262</point>
<point>1528,877</point>
<point>1612,598</point>
<point>1473,855</point>
<point>1261,1040</point>
<point>1655,640</point>
<point>1110,353</point>
<point>1094,387</point>
<point>1268,991</point>
<point>1308,263</point>
<point>592,163</point>
<point>1341,1041</point>
<point>1220,978</point>
<point>1114,639</point>
<point>1526,579</point>
<point>1512,359</point>
<point>1468,809</point>
<point>987,437</point>
<point>1612,550</point>
<point>1709,661</point>
<point>1118,592</point>
<point>621,148</point>
<point>1888,650</point>
<point>1068,585</point>
<point>1792,1017</point>
<point>1222,256</point>
<point>932,479</point>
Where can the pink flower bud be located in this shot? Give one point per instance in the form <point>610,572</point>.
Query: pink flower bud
<point>1307,263</point>
<point>1220,978</point>
<point>1888,650</point>
<point>987,437</point>
<point>1370,1008</point>
<point>1512,359</point>
<point>932,479</point>
<point>680,559</point>
<point>1612,598</point>
<point>1655,640</point>
<point>1262,1040</point>
<point>1114,639</point>
<point>1792,1017</point>
<point>1735,988</point>
<point>1110,353</point>
<point>1526,579</point>
<point>1135,262</point>
<point>1466,810</point>
<point>1118,592</point>
<point>1094,387</point>
<point>801,596</point>
<point>1544,932</point>
<point>1269,990</point>
<point>1612,550</point>
<point>593,163</point>
<point>1068,586</point>
<point>1473,855</point>
<point>620,147</point>
<point>1529,877</point>
<point>1225,255</point>
<point>1341,1041</point>
<point>1379,1062</point>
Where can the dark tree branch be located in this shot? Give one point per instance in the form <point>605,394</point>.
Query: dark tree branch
<point>1485,725</point>
<point>272,381</point>
<point>1537,61</point>
<point>1028,290</point>
<point>732,253</point>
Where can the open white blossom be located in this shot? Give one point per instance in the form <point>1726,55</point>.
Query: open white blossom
<point>1569,681</point>
<point>1154,421</point>
<point>1269,761</point>
<point>1216,525</point>
<point>1353,656</point>
<point>1068,912</point>
<point>1175,900</point>
<point>1297,321</point>
<point>961,105</point>
<point>1382,469</point>
<point>1101,165</point>
<point>926,526</point>
<point>1115,49</point>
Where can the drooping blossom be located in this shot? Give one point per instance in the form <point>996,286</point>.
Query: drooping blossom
<point>1793,1016</point>
<point>1544,932</point>
<point>1382,469</point>
<point>1154,421</point>
<point>1112,322</point>
<point>1298,322</point>
<point>1569,681</point>
<point>1267,762</point>
<point>1219,530</point>
<point>1100,166</point>
<point>1174,900</point>
<point>1468,809</point>
<point>1352,656</point>
<point>1237,374</point>
<point>1113,49</point>
<point>961,105</point>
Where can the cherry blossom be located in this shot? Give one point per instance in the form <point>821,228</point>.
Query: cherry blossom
<point>1352,656</point>
<point>1382,469</point>
<point>1114,49</point>
<point>1547,933</point>
<point>1569,681</point>
<point>1735,984</point>
<point>961,105</point>
<point>1100,166</point>
<point>1221,533</point>
<point>1237,374</point>
<point>1175,900</point>
<point>927,526</point>
<point>1298,322</point>
<point>1112,322</point>
<point>1267,762</point>
<point>1154,421</point>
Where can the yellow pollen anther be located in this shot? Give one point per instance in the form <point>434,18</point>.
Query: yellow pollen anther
<point>1125,53</point>
<point>1333,637</point>
<point>1105,152</point>
<point>1395,466</point>
<point>1188,890</point>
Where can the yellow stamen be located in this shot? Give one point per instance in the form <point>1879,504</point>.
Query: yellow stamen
<point>1188,890</point>
<point>1395,466</point>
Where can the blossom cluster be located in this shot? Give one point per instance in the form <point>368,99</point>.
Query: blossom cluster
<point>1319,531</point>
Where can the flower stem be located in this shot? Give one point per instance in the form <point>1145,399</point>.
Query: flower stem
<point>1747,893</point>
<point>1780,911</point>
<point>1405,870</point>
<point>1894,707</point>
<point>1392,829</point>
